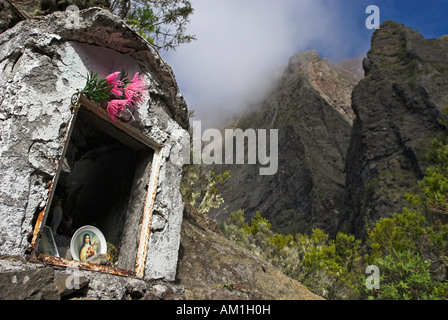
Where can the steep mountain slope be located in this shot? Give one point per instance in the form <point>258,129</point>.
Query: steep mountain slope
<point>310,105</point>
<point>333,81</point>
<point>397,106</point>
<point>212,267</point>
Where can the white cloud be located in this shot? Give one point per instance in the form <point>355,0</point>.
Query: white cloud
<point>243,43</point>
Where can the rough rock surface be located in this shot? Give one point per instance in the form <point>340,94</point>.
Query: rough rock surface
<point>9,16</point>
<point>309,107</point>
<point>33,284</point>
<point>397,107</point>
<point>333,81</point>
<point>22,280</point>
<point>212,267</point>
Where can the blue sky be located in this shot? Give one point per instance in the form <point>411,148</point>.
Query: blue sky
<point>429,17</point>
<point>244,44</point>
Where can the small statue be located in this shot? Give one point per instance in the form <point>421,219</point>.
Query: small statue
<point>57,216</point>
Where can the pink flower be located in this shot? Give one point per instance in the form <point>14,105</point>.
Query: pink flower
<point>136,90</point>
<point>114,107</point>
<point>117,91</point>
<point>112,79</point>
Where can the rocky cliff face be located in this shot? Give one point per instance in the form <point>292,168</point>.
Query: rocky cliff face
<point>333,81</point>
<point>310,105</point>
<point>397,106</point>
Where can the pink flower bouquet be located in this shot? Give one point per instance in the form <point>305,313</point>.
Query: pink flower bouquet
<point>130,93</point>
<point>122,93</point>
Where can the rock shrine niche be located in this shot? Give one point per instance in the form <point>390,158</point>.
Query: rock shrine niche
<point>121,177</point>
<point>106,181</point>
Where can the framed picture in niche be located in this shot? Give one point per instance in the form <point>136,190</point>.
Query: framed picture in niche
<point>86,242</point>
<point>47,245</point>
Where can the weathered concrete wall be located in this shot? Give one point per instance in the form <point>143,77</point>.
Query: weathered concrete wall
<point>43,62</point>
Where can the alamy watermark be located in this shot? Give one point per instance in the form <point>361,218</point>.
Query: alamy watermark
<point>373,21</point>
<point>72,21</point>
<point>373,280</point>
<point>236,147</point>
<point>73,281</point>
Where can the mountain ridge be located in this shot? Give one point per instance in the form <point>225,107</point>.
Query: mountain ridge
<point>373,154</point>
<point>314,131</point>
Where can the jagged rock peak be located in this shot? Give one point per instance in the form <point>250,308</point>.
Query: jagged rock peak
<point>397,105</point>
<point>395,45</point>
<point>333,81</point>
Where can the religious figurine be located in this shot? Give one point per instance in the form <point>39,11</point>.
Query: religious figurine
<point>88,249</point>
<point>57,216</point>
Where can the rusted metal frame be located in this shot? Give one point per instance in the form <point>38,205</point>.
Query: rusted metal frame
<point>47,259</point>
<point>142,250</point>
<point>41,219</point>
<point>17,10</point>
<point>123,126</point>
<point>145,227</point>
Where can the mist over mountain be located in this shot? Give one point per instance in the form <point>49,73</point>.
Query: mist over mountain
<point>310,106</point>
